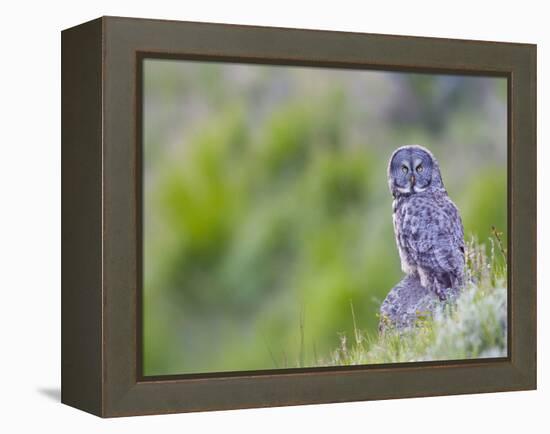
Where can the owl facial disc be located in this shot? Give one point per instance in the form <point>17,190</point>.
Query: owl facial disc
<point>413,169</point>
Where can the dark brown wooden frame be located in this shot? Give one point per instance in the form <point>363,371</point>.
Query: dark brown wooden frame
<point>101,216</point>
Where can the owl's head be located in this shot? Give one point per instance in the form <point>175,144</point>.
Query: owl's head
<point>413,169</point>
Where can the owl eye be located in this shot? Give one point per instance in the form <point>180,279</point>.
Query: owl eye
<point>419,169</point>
<point>404,169</point>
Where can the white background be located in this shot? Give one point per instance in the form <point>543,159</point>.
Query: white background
<point>30,215</point>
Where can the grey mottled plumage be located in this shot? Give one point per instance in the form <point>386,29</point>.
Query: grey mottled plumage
<point>428,231</point>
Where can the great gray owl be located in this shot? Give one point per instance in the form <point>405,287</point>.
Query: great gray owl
<point>429,235</point>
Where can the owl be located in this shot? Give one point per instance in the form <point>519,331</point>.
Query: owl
<point>427,224</point>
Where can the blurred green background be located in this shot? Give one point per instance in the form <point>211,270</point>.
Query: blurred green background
<point>266,207</point>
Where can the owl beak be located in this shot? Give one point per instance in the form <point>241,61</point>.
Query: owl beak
<point>413,179</point>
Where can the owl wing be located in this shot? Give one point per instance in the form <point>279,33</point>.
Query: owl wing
<point>434,237</point>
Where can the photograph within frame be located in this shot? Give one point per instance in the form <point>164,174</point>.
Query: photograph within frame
<point>413,85</point>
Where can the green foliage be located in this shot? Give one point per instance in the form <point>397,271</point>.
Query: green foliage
<point>483,205</point>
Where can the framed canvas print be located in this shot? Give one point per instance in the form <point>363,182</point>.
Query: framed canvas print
<point>263,217</point>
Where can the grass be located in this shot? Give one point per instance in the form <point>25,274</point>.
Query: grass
<point>473,326</point>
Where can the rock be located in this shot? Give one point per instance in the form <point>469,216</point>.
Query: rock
<point>406,304</point>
